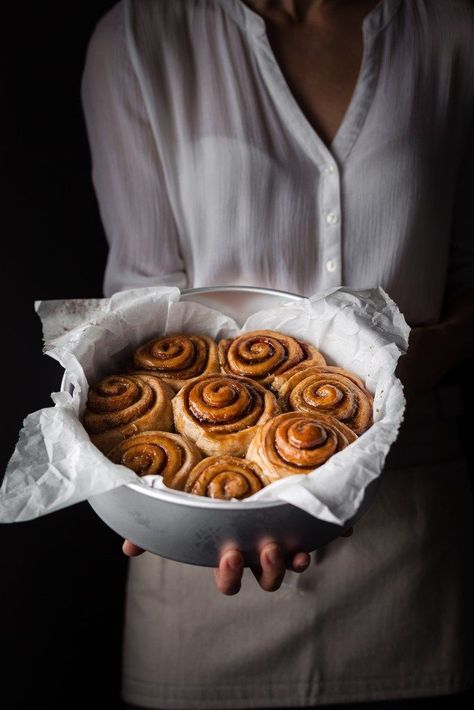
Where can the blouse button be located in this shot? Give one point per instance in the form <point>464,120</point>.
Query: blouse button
<point>331,218</point>
<point>331,265</point>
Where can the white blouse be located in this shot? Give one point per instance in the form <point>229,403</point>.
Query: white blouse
<point>207,171</point>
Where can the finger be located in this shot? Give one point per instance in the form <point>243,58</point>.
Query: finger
<point>348,532</point>
<point>300,562</point>
<point>130,549</point>
<point>273,568</point>
<point>229,573</point>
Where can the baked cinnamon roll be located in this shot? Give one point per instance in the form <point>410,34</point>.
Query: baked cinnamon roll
<point>294,443</point>
<point>264,354</point>
<point>225,477</point>
<point>176,359</point>
<point>119,406</point>
<point>327,390</point>
<point>158,453</point>
<point>221,412</point>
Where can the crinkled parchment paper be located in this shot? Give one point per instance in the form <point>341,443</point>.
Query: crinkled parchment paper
<point>55,464</point>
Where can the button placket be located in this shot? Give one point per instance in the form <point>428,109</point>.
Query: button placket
<point>330,226</point>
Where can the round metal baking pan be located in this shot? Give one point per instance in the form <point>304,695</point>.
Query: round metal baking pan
<point>194,530</point>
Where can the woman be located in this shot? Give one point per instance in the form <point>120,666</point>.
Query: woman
<point>301,145</point>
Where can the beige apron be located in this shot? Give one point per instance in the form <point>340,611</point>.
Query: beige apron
<point>383,614</point>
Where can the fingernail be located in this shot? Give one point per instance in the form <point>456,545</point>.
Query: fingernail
<point>273,555</point>
<point>302,566</point>
<point>234,562</point>
<point>234,590</point>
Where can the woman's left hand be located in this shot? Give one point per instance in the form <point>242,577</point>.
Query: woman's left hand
<point>269,574</point>
<point>228,575</point>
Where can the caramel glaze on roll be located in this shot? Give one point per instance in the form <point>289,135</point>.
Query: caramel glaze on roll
<point>327,390</point>
<point>264,354</point>
<point>225,477</point>
<point>220,413</point>
<point>293,443</point>
<point>176,359</point>
<point>119,406</point>
<point>158,453</point>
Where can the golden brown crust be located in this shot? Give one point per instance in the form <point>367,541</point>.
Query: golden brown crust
<point>119,406</point>
<point>264,354</point>
<point>327,390</point>
<point>176,359</point>
<point>293,443</point>
<point>220,412</point>
<point>225,477</point>
<point>162,453</point>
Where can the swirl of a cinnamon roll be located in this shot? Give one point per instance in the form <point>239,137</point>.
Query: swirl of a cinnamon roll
<point>220,412</point>
<point>176,359</point>
<point>119,406</point>
<point>225,477</point>
<point>327,390</point>
<point>264,354</point>
<point>294,443</point>
<point>155,453</point>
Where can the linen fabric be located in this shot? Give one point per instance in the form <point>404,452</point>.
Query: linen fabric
<point>207,172</point>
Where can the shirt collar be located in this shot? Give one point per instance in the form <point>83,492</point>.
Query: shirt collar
<point>252,23</point>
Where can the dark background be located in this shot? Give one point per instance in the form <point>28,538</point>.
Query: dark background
<point>62,576</point>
